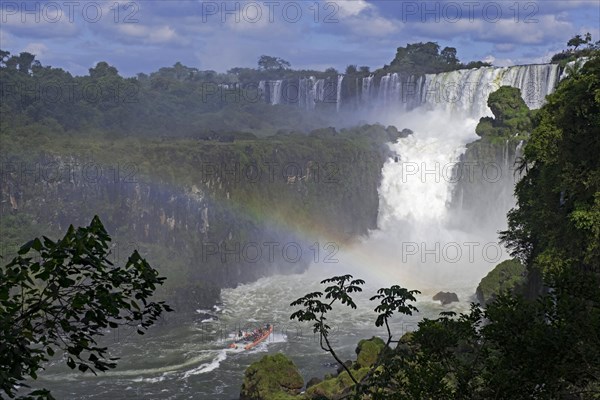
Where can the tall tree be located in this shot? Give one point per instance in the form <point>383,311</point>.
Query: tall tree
<point>268,63</point>
<point>25,62</point>
<point>576,41</point>
<point>449,55</point>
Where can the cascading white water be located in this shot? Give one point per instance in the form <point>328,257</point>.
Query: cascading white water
<point>276,91</point>
<point>463,91</point>
<point>338,98</point>
<point>415,239</point>
<point>365,94</point>
<point>466,91</point>
<point>571,64</point>
<point>304,92</point>
<point>389,90</point>
<point>310,92</point>
<point>416,244</point>
<point>262,90</point>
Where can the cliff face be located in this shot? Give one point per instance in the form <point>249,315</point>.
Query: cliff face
<point>485,179</point>
<point>207,216</point>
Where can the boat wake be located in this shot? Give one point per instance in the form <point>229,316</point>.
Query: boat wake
<point>208,367</point>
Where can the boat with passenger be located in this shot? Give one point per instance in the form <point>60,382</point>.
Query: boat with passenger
<point>248,340</point>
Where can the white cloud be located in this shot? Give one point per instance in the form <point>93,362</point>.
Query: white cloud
<point>352,8</point>
<point>504,47</point>
<point>150,34</point>
<point>547,28</point>
<point>39,49</point>
<point>358,18</point>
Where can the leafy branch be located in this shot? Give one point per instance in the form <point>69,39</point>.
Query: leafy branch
<point>315,310</point>
<point>66,297</point>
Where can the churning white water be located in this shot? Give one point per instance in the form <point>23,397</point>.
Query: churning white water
<point>415,245</point>
<point>419,241</point>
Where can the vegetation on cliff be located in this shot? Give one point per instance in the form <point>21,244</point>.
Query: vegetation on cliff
<point>277,378</point>
<point>554,229</point>
<point>272,378</point>
<point>427,58</point>
<point>512,117</point>
<point>172,199</point>
<point>573,52</point>
<point>505,277</point>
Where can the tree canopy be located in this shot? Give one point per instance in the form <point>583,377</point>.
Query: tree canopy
<point>272,63</point>
<point>426,58</point>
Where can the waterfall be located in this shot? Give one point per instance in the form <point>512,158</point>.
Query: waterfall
<point>466,91</point>
<point>262,90</point>
<point>276,89</point>
<point>571,64</point>
<point>414,243</point>
<point>390,90</point>
<point>271,91</point>
<point>384,88</point>
<point>535,81</point>
<point>422,240</point>
<point>320,91</point>
<point>310,92</point>
<point>365,93</point>
<point>338,98</point>
<point>463,92</point>
<point>506,152</point>
<point>519,150</point>
<point>306,98</point>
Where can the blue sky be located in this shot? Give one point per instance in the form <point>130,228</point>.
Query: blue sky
<point>143,36</point>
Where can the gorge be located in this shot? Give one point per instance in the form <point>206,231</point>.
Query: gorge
<point>388,201</point>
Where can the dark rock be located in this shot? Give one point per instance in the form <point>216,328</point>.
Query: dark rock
<point>347,363</point>
<point>406,132</point>
<point>368,351</point>
<point>505,277</point>
<point>446,297</point>
<point>313,381</point>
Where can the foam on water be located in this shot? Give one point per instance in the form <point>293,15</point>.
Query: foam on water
<point>208,367</point>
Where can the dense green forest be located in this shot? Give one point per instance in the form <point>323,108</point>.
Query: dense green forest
<point>179,100</point>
